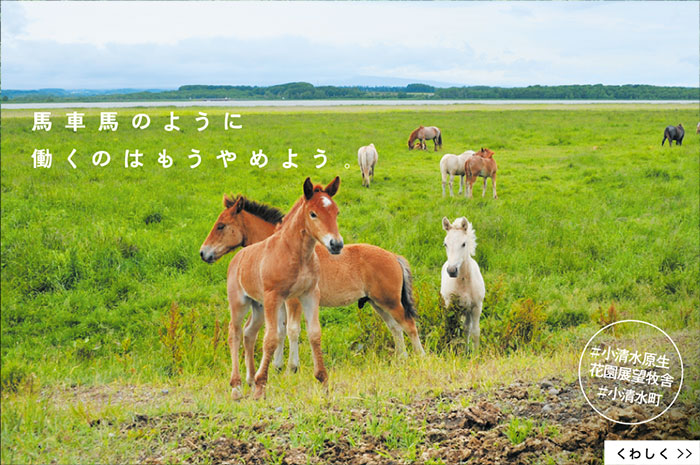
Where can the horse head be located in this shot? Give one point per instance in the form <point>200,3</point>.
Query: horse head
<point>414,136</point>
<point>321,213</point>
<point>460,243</point>
<point>484,153</point>
<point>228,233</point>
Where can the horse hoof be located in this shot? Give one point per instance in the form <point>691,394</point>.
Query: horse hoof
<point>293,369</point>
<point>236,393</point>
<point>322,377</point>
<point>250,380</point>
<point>259,392</point>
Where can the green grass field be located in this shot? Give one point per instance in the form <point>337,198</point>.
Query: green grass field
<point>113,328</point>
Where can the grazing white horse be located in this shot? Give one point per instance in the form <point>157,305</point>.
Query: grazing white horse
<point>453,165</point>
<point>461,281</point>
<point>367,158</point>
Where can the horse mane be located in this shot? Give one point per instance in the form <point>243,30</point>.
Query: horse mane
<point>471,240</point>
<point>262,211</point>
<point>295,208</point>
<point>416,130</point>
<point>291,213</point>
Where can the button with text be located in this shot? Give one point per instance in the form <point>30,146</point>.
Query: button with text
<point>652,452</point>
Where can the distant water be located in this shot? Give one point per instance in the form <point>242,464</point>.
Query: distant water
<point>322,103</point>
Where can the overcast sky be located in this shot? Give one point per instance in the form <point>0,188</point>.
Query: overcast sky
<point>101,45</point>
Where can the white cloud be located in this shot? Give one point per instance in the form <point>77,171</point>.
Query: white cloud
<point>146,44</point>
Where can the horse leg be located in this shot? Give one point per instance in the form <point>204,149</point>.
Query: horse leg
<point>474,330</point>
<point>483,191</point>
<point>309,303</point>
<point>466,330</point>
<point>444,181</point>
<point>493,184</point>
<point>278,360</point>
<point>435,142</point>
<point>293,330</point>
<point>394,329</point>
<point>250,335</point>
<point>272,303</point>
<point>238,311</point>
<point>461,181</point>
<point>452,178</point>
<point>409,326</point>
<point>396,314</point>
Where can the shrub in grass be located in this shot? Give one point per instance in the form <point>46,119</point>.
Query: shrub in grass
<point>523,324</point>
<point>566,318</point>
<point>14,376</point>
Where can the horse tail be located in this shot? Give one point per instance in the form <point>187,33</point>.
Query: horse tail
<point>443,168</point>
<point>439,138</point>
<point>407,302</point>
<point>364,163</point>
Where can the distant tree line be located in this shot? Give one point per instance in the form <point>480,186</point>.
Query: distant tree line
<point>306,91</point>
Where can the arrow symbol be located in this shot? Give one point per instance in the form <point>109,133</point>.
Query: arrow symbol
<point>689,453</point>
<point>619,452</point>
<point>662,454</point>
<point>681,453</point>
<point>71,161</point>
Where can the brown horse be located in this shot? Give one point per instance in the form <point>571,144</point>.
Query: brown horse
<point>363,273</point>
<point>283,266</point>
<point>422,133</point>
<point>480,164</point>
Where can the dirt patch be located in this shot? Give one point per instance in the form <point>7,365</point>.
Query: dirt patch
<point>555,425</point>
<point>112,394</point>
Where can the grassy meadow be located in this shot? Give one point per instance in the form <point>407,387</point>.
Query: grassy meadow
<point>114,330</point>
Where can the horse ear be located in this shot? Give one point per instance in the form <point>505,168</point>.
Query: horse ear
<point>228,201</point>
<point>308,189</point>
<point>446,225</point>
<point>240,204</point>
<point>462,223</point>
<point>332,188</point>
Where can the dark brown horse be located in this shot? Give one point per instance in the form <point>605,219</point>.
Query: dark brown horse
<point>674,133</point>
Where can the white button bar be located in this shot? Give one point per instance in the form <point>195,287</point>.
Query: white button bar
<point>652,452</point>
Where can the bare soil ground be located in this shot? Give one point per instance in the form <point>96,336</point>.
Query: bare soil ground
<point>567,431</point>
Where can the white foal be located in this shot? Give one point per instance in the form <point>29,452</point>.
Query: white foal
<point>461,281</point>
